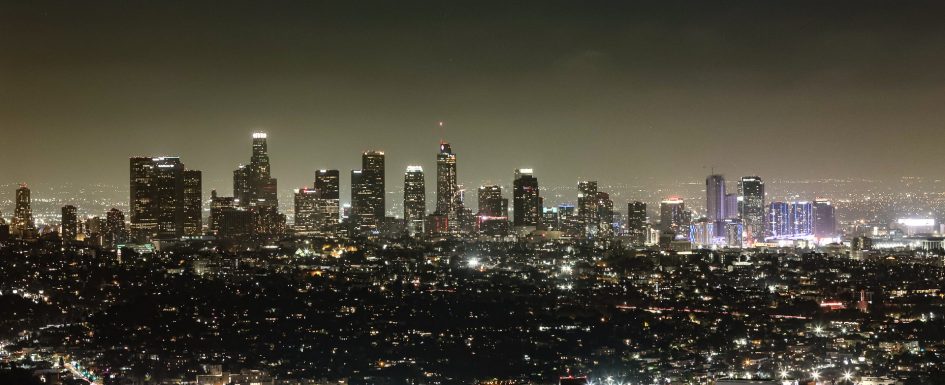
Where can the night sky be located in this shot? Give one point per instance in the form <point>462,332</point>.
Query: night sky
<point>600,90</point>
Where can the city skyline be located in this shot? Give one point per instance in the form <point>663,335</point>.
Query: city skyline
<point>416,192</point>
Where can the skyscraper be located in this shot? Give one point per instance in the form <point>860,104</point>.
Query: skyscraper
<point>228,219</point>
<point>69,223</point>
<point>447,190</point>
<point>329,204</point>
<point>306,209</point>
<point>491,203</point>
<point>636,222</point>
<point>114,227</point>
<point>587,207</point>
<point>22,224</point>
<point>368,190</point>
<point>193,203</point>
<point>527,201</point>
<point>752,190</point>
<point>825,220</point>
<point>673,217</point>
<point>256,189</point>
<point>790,220</point>
<point>415,200</point>
<point>715,197</point>
<point>157,197</point>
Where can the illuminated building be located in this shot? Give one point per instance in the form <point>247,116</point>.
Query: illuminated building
<point>22,224</point>
<point>752,209</point>
<point>193,203</point>
<point>673,217</point>
<point>587,207</point>
<point>715,197</point>
<point>115,232</point>
<point>255,189</point>
<point>825,220</point>
<point>69,223</point>
<point>636,222</point>
<point>415,200</point>
<point>493,214</point>
<point>367,191</point>
<point>447,190</point>
<point>329,203</point>
<point>491,203</point>
<point>157,197</point>
<point>527,203</point>
<point>306,209</point>
<point>790,220</point>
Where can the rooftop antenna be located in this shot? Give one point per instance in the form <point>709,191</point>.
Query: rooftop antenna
<point>442,132</point>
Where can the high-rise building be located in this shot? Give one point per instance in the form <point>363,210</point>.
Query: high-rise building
<point>825,220</point>
<point>329,204</point>
<point>491,203</point>
<point>527,210</point>
<point>306,209</point>
<point>415,199</point>
<point>790,220</point>
<point>115,233</point>
<point>587,207</point>
<point>752,212</point>
<point>368,190</point>
<point>157,197</point>
<point>22,224</point>
<point>69,223</point>
<point>605,215</point>
<point>255,188</point>
<point>715,197</point>
<point>447,189</point>
<point>673,217</point>
<point>228,219</point>
<point>193,203</point>
<point>636,222</point>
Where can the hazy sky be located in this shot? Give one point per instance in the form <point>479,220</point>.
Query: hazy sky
<point>601,90</point>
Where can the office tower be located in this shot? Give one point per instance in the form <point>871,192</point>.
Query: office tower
<point>752,191</point>
<point>673,217</point>
<point>367,191</point>
<point>447,190</point>
<point>157,197</point>
<point>491,203</point>
<point>702,232</point>
<point>22,224</point>
<point>636,222</point>
<point>587,207</point>
<point>715,197</point>
<point>362,214</point>
<point>306,209</point>
<point>527,203</point>
<point>731,206</point>
<point>493,211</point>
<point>95,231</point>
<point>254,188</point>
<point>228,219</point>
<point>734,231</point>
<point>329,204</point>
<point>605,215</point>
<point>193,203</point>
<point>825,221</point>
<point>569,221</point>
<point>415,199</point>
<point>253,184</point>
<point>114,231</point>
<point>790,220</point>
<point>69,223</point>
